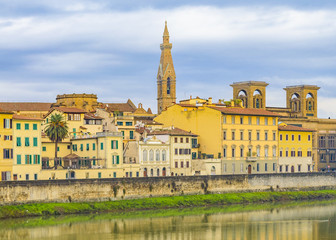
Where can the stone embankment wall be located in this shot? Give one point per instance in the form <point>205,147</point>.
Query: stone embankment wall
<point>114,189</point>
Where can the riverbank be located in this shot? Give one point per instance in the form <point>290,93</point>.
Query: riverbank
<point>47,209</point>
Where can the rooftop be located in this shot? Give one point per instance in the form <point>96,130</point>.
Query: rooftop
<point>172,132</point>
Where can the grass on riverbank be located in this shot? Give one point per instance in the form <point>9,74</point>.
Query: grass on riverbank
<point>45,209</point>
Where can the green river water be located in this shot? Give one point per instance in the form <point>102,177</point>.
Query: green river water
<point>284,221</point>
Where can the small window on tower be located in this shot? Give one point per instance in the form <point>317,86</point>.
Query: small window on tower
<point>168,86</point>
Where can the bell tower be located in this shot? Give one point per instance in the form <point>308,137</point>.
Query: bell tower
<point>302,100</point>
<point>166,78</point>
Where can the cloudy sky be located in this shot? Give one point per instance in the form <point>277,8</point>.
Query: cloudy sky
<point>111,48</point>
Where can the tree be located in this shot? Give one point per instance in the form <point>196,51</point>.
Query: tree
<point>56,129</point>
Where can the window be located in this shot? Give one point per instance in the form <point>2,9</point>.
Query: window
<point>274,136</point>
<point>286,152</point>
<point>241,152</point>
<point>7,123</point>
<point>81,147</point>
<point>309,137</point>
<point>241,167</point>
<point>286,137</point>
<point>266,121</point>
<point>249,120</point>
<point>241,135</point>
<point>18,141</point>
<point>299,153</point>
<point>258,151</point>
<point>266,136</point>
<point>114,144</point>
<point>187,140</point>
<point>87,147</point>
<point>157,155</point>
<point>93,146</point>
<point>280,168</point>
<point>181,140</point>
<point>101,146</point>
<point>181,164</point>
<point>44,149</point>
<point>131,134</point>
<point>274,151</point>
<point>274,167</point>
<point>293,152</point>
<point>120,123</point>
<point>280,152</point>
<point>274,121</point>
<point>265,167</point>
<point>27,142</point>
<point>250,135</point>
<point>27,177</point>
<point>322,141</point>
<point>144,155</point>
<point>224,135</point>
<point>34,126</point>
<point>224,152</point>
<point>187,164</point>
<point>175,140</point>
<point>176,164</point>
<point>331,141</point>
<point>241,120</point>
<point>129,123</point>
<point>18,126</point>
<point>258,135</point>
<point>257,167</point>
<point>163,155</point>
<point>308,167</point>
<point>224,119</point>
<point>280,137</point>
<point>114,174</point>
<point>180,151</point>
<point>299,168</point>
<point>233,152</point>
<point>176,151</point>
<point>309,153</point>
<point>233,119</point>
<point>35,142</point>
<point>26,126</point>
<point>233,135</point>
<point>258,120</point>
<point>99,174</point>
<point>292,137</point>
<point>151,155</point>
<point>266,151</point>
<point>18,159</point>
<point>286,168</point>
<point>299,137</point>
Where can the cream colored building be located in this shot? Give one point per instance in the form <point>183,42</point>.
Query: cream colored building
<point>154,157</point>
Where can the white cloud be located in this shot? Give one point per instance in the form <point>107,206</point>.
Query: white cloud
<point>141,29</point>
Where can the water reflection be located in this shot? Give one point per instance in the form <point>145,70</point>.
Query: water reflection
<point>305,222</point>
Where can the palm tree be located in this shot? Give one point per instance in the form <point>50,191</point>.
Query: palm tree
<point>56,130</point>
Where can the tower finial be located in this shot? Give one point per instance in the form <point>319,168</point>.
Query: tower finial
<point>166,33</point>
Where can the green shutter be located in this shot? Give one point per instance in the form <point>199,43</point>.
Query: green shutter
<point>30,159</point>
<point>18,126</point>
<point>26,159</point>
<point>34,126</point>
<point>116,144</point>
<point>117,159</point>
<point>87,147</point>
<point>93,146</point>
<point>44,149</point>
<point>35,142</point>
<point>18,159</point>
<point>26,126</point>
<point>18,141</point>
<point>38,159</point>
<point>101,146</point>
<point>27,141</point>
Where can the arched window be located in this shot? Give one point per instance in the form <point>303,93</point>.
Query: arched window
<point>152,172</point>
<point>295,103</point>
<point>158,172</point>
<point>243,96</point>
<point>144,156</point>
<point>151,155</point>
<point>274,151</point>
<point>168,86</point>
<point>257,99</point>
<point>258,151</point>
<point>163,155</point>
<point>157,155</point>
<point>213,170</point>
<point>266,151</point>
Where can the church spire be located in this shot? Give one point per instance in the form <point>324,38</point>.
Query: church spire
<point>166,75</point>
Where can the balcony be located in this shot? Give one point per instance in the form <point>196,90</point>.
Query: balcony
<point>252,159</point>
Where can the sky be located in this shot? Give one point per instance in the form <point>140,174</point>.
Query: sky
<point>112,48</point>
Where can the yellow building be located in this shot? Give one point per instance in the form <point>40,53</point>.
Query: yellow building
<point>295,149</point>
<point>245,139</point>
<point>27,148</point>
<point>6,145</point>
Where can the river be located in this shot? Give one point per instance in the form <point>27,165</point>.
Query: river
<point>290,221</point>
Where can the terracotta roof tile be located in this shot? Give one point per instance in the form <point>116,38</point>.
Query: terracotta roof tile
<point>172,132</point>
<point>245,111</point>
<point>92,117</point>
<point>294,128</point>
<point>25,106</point>
<point>21,117</point>
<point>70,110</point>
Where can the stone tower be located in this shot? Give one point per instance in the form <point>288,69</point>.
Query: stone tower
<point>252,93</point>
<point>302,100</point>
<point>166,78</point>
